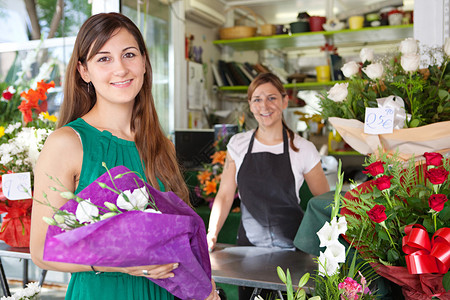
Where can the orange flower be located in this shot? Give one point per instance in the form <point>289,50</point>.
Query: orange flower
<point>32,98</point>
<point>210,187</point>
<point>41,85</point>
<point>27,113</point>
<point>204,176</point>
<point>219,157</point>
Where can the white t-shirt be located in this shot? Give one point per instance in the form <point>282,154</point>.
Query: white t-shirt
<point>301,162</point>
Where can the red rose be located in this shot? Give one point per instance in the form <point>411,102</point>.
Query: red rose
<point>377,214</point>
<point>437,201</point>
<point>383,182</point>
<point>375,168</point>
<point>433,158</point>
<point>437,175</point>
<point>7,95</point>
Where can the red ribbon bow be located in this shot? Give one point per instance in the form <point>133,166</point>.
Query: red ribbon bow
<point>423,255</point>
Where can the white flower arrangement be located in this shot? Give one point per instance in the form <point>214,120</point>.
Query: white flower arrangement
<point>31,292</point>
<point>22,150</point>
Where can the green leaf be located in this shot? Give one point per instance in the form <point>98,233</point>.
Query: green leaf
<point>444,215</point>
<point>289,288</point>
<point>281,274</point>
<point>446,281</point>
<point>415,202</point>
<point>393,255</point>
<point>303,280</point>
<point>414,123</point>
<point>428,224</point>
<point>443,94</point>
<point>383,235</point>
<point>301,295</point>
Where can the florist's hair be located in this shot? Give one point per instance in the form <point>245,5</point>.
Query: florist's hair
<point>156,151</point>
<point>276,82</point>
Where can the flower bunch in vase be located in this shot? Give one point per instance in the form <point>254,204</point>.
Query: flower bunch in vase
<point>420,95</point>
<point>399,221</point>
<point>209,177</point>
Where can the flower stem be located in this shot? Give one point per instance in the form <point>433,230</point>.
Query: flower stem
<point>390,238</point>
<point>434,221</point>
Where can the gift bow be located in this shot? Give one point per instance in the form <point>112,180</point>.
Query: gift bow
<point>423,255</point>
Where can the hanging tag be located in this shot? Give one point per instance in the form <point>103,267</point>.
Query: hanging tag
<point>379,120</point>
<point>17,186</point>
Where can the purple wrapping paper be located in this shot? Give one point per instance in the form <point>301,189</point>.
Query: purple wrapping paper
<point>136,238</point>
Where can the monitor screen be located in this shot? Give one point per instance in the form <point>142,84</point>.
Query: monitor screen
<point>194,147</point>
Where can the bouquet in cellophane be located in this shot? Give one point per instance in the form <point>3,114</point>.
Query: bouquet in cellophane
<point>119,220</point>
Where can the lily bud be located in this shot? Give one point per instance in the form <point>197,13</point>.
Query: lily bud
<point>49,221</point>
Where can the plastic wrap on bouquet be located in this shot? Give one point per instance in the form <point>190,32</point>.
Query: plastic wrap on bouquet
<point>409,141</point>
<point>136,238</point>
<point>414,286</point>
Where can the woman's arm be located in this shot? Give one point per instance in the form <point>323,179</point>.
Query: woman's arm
<point>316,180</point>
<point>61,158</point>
<point>222,202</point>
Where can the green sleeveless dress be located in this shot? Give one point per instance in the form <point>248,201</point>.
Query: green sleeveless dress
<point>102,146</point>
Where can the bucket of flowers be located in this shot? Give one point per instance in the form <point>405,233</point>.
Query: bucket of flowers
<point>400,222</point>
<point>419,96</point>
<point>209,177</point>
<point>20,144</point>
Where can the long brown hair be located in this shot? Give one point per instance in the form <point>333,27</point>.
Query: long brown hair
<point>156,151</point>
<point>276,82</point>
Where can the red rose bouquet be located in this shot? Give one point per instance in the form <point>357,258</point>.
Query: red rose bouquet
<point>400,222</point>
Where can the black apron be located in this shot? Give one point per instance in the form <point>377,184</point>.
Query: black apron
<point>270,212</point>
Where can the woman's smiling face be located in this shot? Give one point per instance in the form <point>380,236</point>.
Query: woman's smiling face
<point>117,70</point>
<point>267,104</point>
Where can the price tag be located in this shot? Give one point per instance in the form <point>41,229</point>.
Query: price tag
<point>17,186</point>
<point>379,120</point>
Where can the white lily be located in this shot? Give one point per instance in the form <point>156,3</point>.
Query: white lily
<point>86,211</point>
<point>137,200</point>
<point>327,266</point>
<point>327,234</point>
<point>335,252</point>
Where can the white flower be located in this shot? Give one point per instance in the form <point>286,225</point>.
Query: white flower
<point>137,200</point>
<point>410,62</point>
<point>374,71</point>
<point>338,92</point>
<point>366,54</point>
<point>349,69</point>
<point>341,225</point>
<point>86,211</point>
<point>6,158</point>
<point>327,266</point>
<point>327,234</point>
<point>335,251</point>
<point>447,46</point>
<point>408,46</point>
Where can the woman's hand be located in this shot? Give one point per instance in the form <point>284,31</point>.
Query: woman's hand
<point>212,240</point>
<point>214,294</point>
<point>152,271</point>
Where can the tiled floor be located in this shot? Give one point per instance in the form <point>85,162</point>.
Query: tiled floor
<point>48,291</point>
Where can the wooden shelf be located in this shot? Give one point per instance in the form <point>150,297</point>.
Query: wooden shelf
<point>367,35</point>
<point>300,85</point>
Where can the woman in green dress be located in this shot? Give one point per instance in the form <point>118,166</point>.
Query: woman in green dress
<point>108,115</point>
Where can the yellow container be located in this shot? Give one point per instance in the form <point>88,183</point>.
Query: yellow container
<point>323,73</point>
<point>356,22</point>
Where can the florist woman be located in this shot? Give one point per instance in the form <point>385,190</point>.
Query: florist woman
<point>268,166</point>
